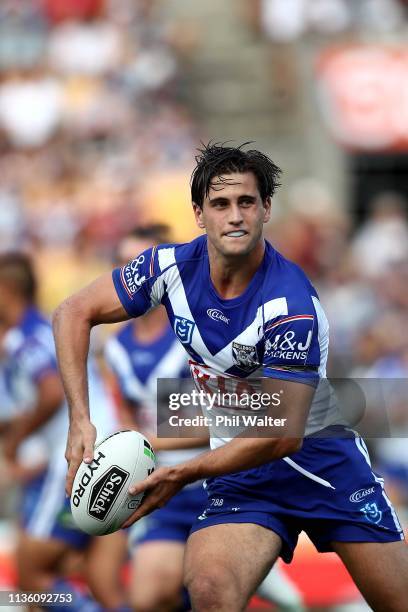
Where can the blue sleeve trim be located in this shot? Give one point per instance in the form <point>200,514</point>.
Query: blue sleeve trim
<point>307,378</point>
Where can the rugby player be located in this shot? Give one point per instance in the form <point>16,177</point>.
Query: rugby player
<point>49,543</point>
<point>263,489</point>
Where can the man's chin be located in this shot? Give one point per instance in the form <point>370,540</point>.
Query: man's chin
<point>236,250</point>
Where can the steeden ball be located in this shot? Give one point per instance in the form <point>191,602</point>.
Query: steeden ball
<point>100,501</point>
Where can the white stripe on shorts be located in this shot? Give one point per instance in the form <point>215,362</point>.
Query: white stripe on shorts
<point>364,451</point>
<point>297,467</point>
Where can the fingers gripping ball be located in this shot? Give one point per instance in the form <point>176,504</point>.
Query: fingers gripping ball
<point>100,501</point>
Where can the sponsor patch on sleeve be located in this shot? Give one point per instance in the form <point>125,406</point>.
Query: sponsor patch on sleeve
<point>133,274</point>
<point>289,340</point>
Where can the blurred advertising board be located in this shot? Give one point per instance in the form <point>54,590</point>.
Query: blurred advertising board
<point>363,96</point>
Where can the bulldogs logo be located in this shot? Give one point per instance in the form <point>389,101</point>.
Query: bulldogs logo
<point>245,357</point>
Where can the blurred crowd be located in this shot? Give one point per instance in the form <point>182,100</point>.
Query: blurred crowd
<point>89,109</point>
<point>287,20</point>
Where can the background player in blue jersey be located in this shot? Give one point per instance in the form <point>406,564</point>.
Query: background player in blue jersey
<point>262,490</point>
<point>34,432</point>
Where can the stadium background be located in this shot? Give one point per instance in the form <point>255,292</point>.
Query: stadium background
<point>102,104</point>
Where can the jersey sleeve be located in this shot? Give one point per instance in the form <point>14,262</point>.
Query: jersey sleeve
<point>138,283</point>
<point>291,348</point>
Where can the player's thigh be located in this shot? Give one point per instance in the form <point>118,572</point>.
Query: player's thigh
<point>380,571</point>
<point>234,556</point>
<point>157,572</point>
<point>38,559</point>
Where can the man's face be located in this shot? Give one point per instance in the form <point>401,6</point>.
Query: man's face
<point>233,214</point>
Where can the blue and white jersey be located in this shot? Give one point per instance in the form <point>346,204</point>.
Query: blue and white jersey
<point>7,409</point>
<point>29,355</point>
<point>137,366</point>
<point>276,328</point>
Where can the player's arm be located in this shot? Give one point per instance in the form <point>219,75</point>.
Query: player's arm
<point>160,444</point>
<point>72,324</point>
<point>50,396</point>
<point>127,413</point>
<point>258,445</point>
<point>241,453</point>
<point>128,420</point>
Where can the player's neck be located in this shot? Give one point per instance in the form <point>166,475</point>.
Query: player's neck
<point>232,275</point>
<point>151,326</point>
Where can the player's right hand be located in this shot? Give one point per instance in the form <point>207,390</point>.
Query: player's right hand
<point>161,486</point>
<point>80,447</point>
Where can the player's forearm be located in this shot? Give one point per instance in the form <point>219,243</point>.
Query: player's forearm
<point>160,444</point>
<point>238,455</point>
<point>28,422</point>
<point>72,329</point>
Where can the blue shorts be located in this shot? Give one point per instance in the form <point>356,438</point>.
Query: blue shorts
<point>172,522</point>
<point>46,512</point>
<point>326,489</point>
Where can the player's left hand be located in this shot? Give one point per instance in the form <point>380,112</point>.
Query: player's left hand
<point>161,486</point>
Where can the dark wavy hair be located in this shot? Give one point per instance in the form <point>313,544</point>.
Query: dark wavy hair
<point>16,270</point>
<point>216,159</point>
<point>156,232</point>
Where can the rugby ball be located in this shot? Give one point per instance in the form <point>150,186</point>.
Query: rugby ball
<point>100,501</point>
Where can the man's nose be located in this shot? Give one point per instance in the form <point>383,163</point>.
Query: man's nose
<point>235,216</point>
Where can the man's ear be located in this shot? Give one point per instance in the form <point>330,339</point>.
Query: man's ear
<point>198,213</point>
<point>267,209</point>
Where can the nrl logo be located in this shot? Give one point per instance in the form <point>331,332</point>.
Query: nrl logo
<point>133,504</point>
<point>372,513</point>
<point>184,329</point>
<point>245,357</point>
